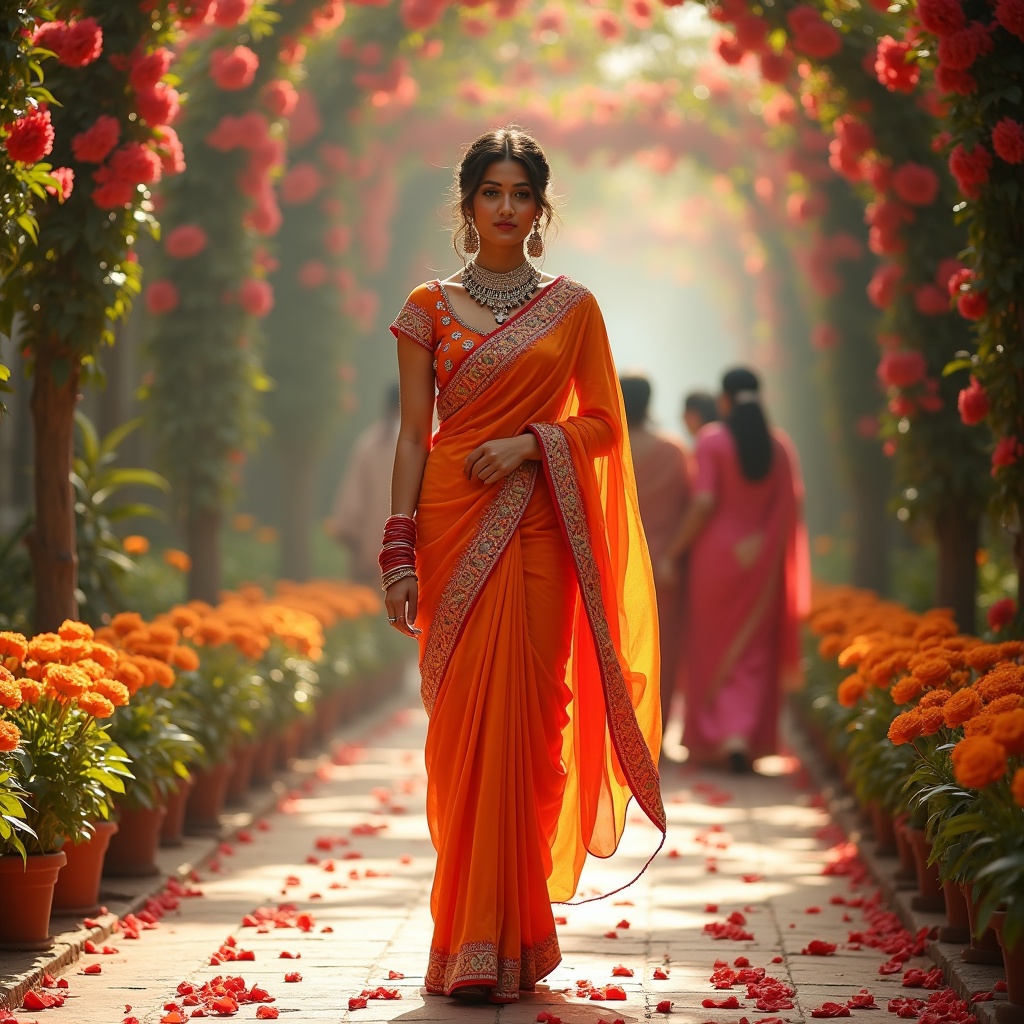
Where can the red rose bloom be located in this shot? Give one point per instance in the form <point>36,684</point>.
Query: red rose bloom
<point>135,163</point>
<point>1010,14</point>
<point>775,67</point>
<point>959,281</point>
<point>950,80</point>
<point>418,15</point>
<point>185,241</point>
<point>112,193</point>
<point>280,97</point>
<point>161,297</point>
<point>972,403</point>
<point>158,106</point>
<point>1001,614</point>
<point>972,305</point>
<point>892,67</point>
<point>231,12</point>
<point>962,48</point>
<point>915,184</point>
<point>931,300</point>
<point>1007,451</point>
<point>751,31</point>
<point>233,69</point>
<point>883,284</point>
<point>728,48</point>
<point>970,167</point>
<point>902,369</point>
<point>65,178</point>
<point>30,138</point>
<point>301,184</point>
<point>854,134</point>
<point>170,150</point>
<point>607,24</point>
<point>1008,140</point>
<point>148,69</point>
<point>76,44</point>
<point>817,39</point>
<point>256,297</point>
<point>93,145</point>
<point>941,16</point>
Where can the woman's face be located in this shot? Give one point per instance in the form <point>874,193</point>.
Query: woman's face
<point>504,205</point>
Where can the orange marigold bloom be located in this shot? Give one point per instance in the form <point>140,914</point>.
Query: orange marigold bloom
<point>185,658</point>
<point>1000,681</point>
<point>211,632</point>
<point>164,633</point>
<point>33,669</point>
<point>162,652</point>
<point>131,675</point>
<point>979,725</point>
<point>114,690</point>
<point>107,635</point>
<point>1008,702</point>
<point>163,674</point>
<point>103,654</point>
<point>932,668</point>
<point>905,727</point>
<point>185,619</point>
<point>1011,650</point>
<point>959,679</point>
<point>135,544</point>
<point>984,657</point>
<point>936,623</point>
<point>851,689</point>
<point>177,560</point>
<point>906,690</point>
<point>961,706</point>
<point>10,737</point>
<point>96,704</point>
<point>10,691</point>
<point>931,720</point>
<point>124,622</point>
<point>31,690</point>
<point>1017,787</point>
<point>13,644</point>
<point>75,650</point>
<point>45,647</point>
<point>134,637</point>
<point>1008,729</point>
<point>934,699</point>
<point>830,646</point>
<point>71,629</point>
<point>66,680</point>
<point>93,669</point>
<point>978,761</point>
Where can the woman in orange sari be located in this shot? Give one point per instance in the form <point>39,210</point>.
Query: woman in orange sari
<point>515,555</point>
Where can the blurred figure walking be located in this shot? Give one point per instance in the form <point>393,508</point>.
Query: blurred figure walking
<point>699,409</point>
<point>663,470</point>
<point>748,580</point>
<point>363,500</point>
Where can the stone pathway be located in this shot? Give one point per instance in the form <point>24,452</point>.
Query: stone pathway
<point>754,860</point>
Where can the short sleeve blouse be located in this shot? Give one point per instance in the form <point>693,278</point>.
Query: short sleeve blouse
<point>428,320</point>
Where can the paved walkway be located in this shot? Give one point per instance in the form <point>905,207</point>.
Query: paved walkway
<point>755,883</point>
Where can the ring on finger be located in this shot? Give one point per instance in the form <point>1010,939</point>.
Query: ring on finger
<point>392,620</point>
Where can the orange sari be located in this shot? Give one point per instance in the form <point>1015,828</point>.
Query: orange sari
<point>539,653</point>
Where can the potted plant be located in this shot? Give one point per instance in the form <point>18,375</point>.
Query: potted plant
<point>65,761</point>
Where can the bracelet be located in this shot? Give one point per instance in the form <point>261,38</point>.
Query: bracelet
<point>403,572</point>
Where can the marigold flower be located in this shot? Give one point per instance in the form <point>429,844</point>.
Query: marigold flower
<point>93,669</point>
<point>979,725</point>
<point>906,690</point>
<point>96,705</point>
<point>163,674</point>
<point>1008,702</point>
<point>931,720</point>
<point>931,668</point>
<point>13,644</point>
<point>135,544</point>
<point>185,658</point>
<point>211,632</point>
<point>115,691</point>
<point>905,727</point>
<point>31,690</point>
<point>935,624</point>
<point>103,654</point>
<point>851,689</point>
<point>73,630</point>
<point>45,647</point>
<point>1008,729</point>
<point>131,676</point>
<point>962,706</point>
<point>161,652</point>
<point>1000,681</point>
<point>978,761</point>
<point>934,699</point>
<point>984,657</point>
<point>164,633</point>
<point>124,622</point>
<point>1017,787</point>
<point>10,737</point>
<point>75,650</point>
<point>10,691</point>
<point>66,680</point>
<point>830,645</point>
<point>177,559</point>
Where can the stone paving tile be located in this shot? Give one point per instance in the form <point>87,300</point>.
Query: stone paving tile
<point>371,889</point>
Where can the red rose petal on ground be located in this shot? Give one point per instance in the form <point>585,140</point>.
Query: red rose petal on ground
<point>660,974</point>
<point>983,997</point>
<point>357,1003</point>
<point>622,972</point>
<point>813,910</point>
<point>611,935</point>
<point>665,1006</point>
<point>266,1013</point>
<point>999,986</point>
<point>174,1017</point>
<point>831,1010</point>
<point>730,1003</point>
<point>818,947</point>
<point>110,950</point>
<point>89,946</point>
<point>776,959</point>
<point>710,908</point>
<point>614,992</point>
<point>893,966</point>
<point>752,877</point>
<point>561,920</point>
<point>293,976</point>
<point>623,924</point>
<point>863,1000</point>
<point>93,969</point>
<point>395,975</point>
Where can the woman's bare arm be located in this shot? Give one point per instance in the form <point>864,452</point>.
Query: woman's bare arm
<point>416,385</point>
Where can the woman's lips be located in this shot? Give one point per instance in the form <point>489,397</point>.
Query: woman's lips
<point>505,226</point>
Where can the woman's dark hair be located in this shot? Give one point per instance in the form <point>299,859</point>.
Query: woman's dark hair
<point>636,396</point>
<point>747,423</point>
<point>508,143</point>
<point>703,404</point>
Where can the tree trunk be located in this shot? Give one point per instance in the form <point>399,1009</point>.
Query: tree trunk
<point>869,566</point>
<point>202,536</point>
<point>298,482</point>
<point>958,531</point>
<point>52,540</point>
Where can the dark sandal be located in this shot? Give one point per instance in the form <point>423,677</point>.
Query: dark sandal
<point>472,993</point>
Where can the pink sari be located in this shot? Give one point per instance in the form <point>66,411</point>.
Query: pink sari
<point>748,588</point>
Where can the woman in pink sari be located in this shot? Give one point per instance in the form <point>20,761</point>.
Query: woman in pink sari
<point>748,580</point>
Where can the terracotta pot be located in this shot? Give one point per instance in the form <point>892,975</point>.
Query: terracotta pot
<point>206,799</point>
<point>984,948</point>
<point>77,892</point>
<point>957,928</point>
<point>1013,967</point>
<point>929,898</point>
<point>172,828</point>
<point>906,873</point>
<point>289,739</point>
<point>885,834</point>
<point>26,894</point>
<point>264,759</point>
<point>133,850</point>
<point>242,755</point>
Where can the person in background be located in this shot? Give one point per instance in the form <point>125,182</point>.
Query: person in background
<point>661,464</point>
<point>749,581</point>
<point>699,409</point>
<point>363,500</point>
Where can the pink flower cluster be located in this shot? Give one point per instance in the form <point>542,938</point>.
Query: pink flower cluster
<point>894,67</point>
<point>811,34</point>
<point>30,137</point>
<point>75,43</point>
<point>251,132</point>
<point>235,69</point>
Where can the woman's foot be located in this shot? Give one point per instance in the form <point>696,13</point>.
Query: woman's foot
<point>472,993</point>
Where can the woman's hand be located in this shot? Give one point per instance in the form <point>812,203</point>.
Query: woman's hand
<point>401,600</point>
<point>494,460</point>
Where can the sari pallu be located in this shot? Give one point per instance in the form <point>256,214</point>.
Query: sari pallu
<point>538,658</point>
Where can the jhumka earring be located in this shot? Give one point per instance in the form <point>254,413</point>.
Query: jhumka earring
<point>471,239</point>
<point>535,243</point>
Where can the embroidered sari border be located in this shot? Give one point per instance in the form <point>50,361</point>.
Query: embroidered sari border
<point>634,756</point>
<point>416,324</point>
<point>500,349</point>
<point>500,519</point>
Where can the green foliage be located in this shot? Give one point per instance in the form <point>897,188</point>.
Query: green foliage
<point>14,829</point>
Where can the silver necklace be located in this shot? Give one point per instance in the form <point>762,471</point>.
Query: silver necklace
<point>500,293</point>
